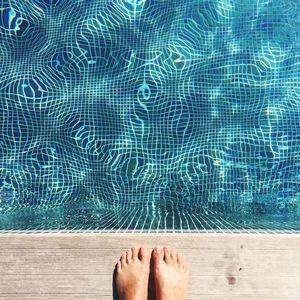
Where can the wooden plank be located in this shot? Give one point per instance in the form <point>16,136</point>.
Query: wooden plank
<point>79,266</point>
<point>54,297</point>
<point>122,241</point>
<point>96,297</point>
<point>221,285</point>
<point>96,261</point>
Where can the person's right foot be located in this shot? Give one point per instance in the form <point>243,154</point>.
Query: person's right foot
<point>170,274</point>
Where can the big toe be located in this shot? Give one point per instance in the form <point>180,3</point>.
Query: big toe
<point>158,254</point>
<point>180,261</point>
<point>144,254</point>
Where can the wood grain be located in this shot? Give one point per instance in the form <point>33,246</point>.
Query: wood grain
<point>80,266</point>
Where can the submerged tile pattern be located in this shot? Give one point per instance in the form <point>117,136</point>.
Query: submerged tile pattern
<point>149,114</point>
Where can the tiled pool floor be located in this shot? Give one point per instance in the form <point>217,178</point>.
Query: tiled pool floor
<point>149,115</point>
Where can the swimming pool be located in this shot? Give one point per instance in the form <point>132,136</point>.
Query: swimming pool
<point>153,115</point>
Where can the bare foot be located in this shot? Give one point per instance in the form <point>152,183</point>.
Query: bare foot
<point>133,274</point>
<point>170,274</point>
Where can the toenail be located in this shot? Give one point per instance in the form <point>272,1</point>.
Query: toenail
<point>158,249</point>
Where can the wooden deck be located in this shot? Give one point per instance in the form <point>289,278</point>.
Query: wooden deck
<point>80,266</point>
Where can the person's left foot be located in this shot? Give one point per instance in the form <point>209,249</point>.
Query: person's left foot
<point>132,274</point>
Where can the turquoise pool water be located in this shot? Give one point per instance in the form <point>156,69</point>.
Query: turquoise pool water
<point>150,115</point>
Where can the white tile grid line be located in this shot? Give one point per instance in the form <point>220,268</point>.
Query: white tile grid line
<point>157,231</point>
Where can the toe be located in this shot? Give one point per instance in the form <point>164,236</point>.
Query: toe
<point>158,254</point>
<point>180,260</point>
<point>135,252</point>
<point>128,256</point>
<point>144,254</point>
<point>123,260</point>
<point>174,255</point>
<point>118,266</point>
<point>167,255</point>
